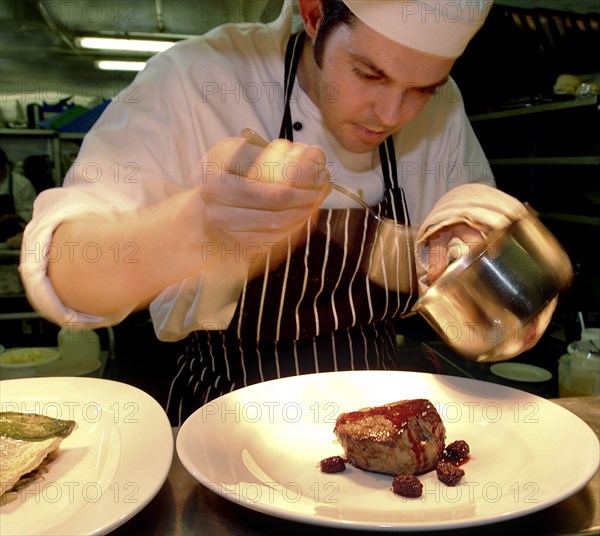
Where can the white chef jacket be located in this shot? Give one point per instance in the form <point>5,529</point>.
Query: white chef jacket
<point>150,141</point>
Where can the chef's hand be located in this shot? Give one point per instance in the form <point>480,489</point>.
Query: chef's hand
<point>448,245</point>
<point>262,195</point>
<point>456,241</point>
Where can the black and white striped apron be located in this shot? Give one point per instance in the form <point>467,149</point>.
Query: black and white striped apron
<point>316,311</point>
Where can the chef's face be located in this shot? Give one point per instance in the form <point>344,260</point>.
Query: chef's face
<point>368,87</point>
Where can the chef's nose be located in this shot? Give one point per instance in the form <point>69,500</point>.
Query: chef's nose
<point>389,108</point>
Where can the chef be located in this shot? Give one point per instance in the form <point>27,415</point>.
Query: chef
<point>247,251</point>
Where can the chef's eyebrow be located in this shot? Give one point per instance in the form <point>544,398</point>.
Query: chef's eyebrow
<point>382,74</point>
<point>370,65</point>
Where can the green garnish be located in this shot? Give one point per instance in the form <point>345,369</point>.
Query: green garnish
<point>33,427</point>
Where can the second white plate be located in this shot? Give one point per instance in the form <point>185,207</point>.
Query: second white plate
<point>521,372</point>
<point>107,470</point>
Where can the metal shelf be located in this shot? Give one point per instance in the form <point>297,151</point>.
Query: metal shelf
<point>579,102</point>
<point>571,218</point>
<point>547,161</point>
<point>28,132</point>
<point>40,133</point>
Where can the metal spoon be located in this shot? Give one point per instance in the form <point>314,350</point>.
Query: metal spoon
<point>251,136</point>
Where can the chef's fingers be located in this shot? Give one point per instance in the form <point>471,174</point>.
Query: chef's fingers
<point>237,206</point>
<point>255,191</point>
<point>262,194</point>
<point>297,164</point>
<point>237,193</point>
<point>246,222</point>
<point>449,245</point>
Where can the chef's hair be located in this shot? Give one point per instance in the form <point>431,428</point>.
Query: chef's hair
<point>335,13</point>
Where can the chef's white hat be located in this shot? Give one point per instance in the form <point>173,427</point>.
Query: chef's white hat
<point>438,27</point>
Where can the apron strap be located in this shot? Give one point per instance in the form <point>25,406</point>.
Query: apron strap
<point>394,192</point>
<point>293,53</point>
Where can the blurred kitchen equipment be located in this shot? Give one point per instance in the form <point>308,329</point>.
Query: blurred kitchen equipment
<point>70,367</point>
<point>78,343</point>
<point>579,374</point>
<point>588,342</point>
<point>483,305</point>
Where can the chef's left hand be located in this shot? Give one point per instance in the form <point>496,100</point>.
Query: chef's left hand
<point>456,241</point>
<point>448,245</point>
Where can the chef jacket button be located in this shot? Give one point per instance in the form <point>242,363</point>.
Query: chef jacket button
<point>297,126</point>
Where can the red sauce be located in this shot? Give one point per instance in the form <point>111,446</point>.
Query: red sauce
<point>458,463</point>
<point>398,414</point>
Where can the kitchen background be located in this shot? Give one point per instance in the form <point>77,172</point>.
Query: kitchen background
<point>541,132</point>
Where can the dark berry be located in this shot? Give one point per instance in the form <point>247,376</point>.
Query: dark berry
<point>333,464</point>
<point>407,486</point>
<point>448,473</point>
<point>456,451</point>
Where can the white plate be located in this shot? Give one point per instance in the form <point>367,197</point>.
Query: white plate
<point>521,372</point>
<point>260,447</point>
<point>107,470</point>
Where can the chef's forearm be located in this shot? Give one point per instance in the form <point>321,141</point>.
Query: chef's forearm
<point>115,261</point>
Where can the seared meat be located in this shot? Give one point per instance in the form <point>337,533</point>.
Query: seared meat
<point>402,438</point>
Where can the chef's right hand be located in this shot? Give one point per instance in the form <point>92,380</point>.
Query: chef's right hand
<point>261,195</point>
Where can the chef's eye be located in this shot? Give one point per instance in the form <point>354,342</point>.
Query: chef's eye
<point>424,91</point>
<point>364,75</point>
<point>427,91</point>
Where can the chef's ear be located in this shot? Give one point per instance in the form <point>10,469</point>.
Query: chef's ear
<point>312,14</point>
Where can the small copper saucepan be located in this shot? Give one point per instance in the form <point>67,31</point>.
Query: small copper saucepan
<point>483,305</point>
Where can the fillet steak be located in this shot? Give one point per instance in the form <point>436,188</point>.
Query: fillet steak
<point>401,438</point>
